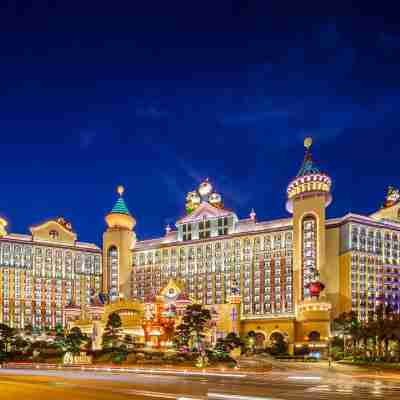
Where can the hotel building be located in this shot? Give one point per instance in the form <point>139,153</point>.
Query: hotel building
<point>41,273</point>
<point>254,275</point>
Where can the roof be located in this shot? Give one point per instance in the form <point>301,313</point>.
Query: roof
<point>205,210</point>
<point>120,207</point>
<point>308,167</point>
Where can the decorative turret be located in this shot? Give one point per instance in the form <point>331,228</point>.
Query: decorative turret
<point>253,215</point>
<point>118,241</point>
<point>308,196</point>
<point>120,217</point>
<point>309,181</point>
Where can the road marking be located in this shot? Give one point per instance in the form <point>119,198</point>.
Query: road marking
<point>237,397</point>
<point>305,378</point>
<point>160,395</point>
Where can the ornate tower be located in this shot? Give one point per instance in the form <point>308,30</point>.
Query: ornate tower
<point>307,197</point>
<point>118,241</point>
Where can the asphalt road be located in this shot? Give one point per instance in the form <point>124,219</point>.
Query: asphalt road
<point>313,384</point>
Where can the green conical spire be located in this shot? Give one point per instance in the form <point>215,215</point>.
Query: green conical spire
<point>120,206</point>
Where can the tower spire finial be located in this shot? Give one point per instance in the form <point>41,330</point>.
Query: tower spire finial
<point>120,190</point>
<point>308,142</point>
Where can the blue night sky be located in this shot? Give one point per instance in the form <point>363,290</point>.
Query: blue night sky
<point>156,97</point>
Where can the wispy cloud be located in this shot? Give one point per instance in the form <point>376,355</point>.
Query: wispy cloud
<point>86,138</point>
<point>151,112</point>
<point>389,40</point>
<point>247,118</point>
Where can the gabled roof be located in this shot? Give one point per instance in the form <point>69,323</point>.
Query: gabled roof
<point>204,211</point>
<point>120,207</point>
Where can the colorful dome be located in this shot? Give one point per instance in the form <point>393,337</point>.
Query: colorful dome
<point>215,198</point>
<point>392,197</point>
<point>193,197</point>
<point>192,201</point>
<point>309,180</point>
<point>205,188</point>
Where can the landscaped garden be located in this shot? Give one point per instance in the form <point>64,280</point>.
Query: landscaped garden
<point>190,347</point>
<point>373,341</point>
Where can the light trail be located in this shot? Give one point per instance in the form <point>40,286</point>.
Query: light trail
<point>216,396</point>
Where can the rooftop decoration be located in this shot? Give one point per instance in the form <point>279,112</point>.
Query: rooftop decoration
<point>204,193</point>
<point>66,224</point>
<point>3,224</point>
<point>120,206</point>
<point>392,197</point>
<point>120,217</point>
<point>309,180</point>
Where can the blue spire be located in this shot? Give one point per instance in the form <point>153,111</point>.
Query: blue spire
<point>308,167</point>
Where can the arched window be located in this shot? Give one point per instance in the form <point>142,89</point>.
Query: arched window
<point>276,337</point>
<point>113,272</point>
<point>54,234</point>
<point>259,340</point>
<point>314,336</point>
<point>309,252</point>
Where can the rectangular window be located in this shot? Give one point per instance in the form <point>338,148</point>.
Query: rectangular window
<point>204,230</point>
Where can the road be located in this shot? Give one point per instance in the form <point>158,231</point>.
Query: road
<point>299,383</point>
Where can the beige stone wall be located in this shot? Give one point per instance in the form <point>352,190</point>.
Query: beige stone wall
<point>391,213</point>
<point>42,232</point>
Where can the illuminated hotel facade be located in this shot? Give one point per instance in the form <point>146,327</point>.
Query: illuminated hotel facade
<point>255,275</point>
<point>43,272</point>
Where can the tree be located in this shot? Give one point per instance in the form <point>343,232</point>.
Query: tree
<point>191,332</point>
<point>279,346</point>
<point>28,330</point>
<point>7,337</point>
<point>229,342</point>
<point>74,340</point>
<point>20,344</point>
<point>112,332</point>
<point>250,341</point>
<point>128,341</point>
<point>371,338</point>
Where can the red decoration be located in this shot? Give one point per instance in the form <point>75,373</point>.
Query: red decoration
<point>315,288</point>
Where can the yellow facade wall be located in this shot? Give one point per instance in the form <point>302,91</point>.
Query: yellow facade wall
<point>332,267</point>
<point>344,304</point>
<point>42,232</point>
<point>267,327</point>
